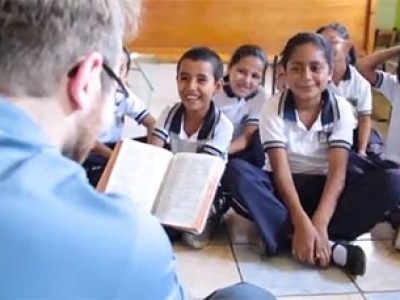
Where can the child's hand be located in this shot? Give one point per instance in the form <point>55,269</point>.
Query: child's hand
<point>322,247</point>
<point>362,153</point>
<point>304,240</point>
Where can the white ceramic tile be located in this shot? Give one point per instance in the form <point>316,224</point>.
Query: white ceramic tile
<point>383,267</point>
<point>383,296</point>
<point>241,230</point>
<point>285,277</point>
<point>203,271</point>
<point>325,297</point>
<point>381,232</point>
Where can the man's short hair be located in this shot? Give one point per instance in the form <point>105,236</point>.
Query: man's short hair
<point>41,40</point>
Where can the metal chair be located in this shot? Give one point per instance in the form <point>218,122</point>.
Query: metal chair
<point>137,67</point>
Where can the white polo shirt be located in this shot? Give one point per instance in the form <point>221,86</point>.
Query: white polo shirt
<point>389,86</point>
<point>356,89</point>
<point>307,149</point>
<point>240,111</point>
<point>132,107</point>
<point>212,138</point>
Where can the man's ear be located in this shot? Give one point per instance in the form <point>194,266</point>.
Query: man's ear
<point>84,83</point>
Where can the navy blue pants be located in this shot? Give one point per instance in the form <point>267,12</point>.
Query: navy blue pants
<point>368,194</point>
<point>95,164</point>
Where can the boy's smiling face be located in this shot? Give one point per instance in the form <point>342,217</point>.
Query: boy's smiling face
<point>196,85</point>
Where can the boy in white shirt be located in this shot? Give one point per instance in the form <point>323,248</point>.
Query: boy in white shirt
<point>126,103</point>
<point>348,83</point>
<point>196,124</point>
<point>389,85</point>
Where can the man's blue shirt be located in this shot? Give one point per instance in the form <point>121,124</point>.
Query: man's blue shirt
<point>60,239</point>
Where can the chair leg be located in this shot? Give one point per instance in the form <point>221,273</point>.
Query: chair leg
<point>139,68</point>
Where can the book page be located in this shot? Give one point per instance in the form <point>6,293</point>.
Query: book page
<point>188,190</point>
<point>138,172</point>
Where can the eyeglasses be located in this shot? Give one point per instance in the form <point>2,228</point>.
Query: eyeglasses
<point>110,73</point>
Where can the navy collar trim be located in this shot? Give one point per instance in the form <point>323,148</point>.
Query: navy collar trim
<point>207,129</point>
<point>347,74</point>
<point>329,112</point>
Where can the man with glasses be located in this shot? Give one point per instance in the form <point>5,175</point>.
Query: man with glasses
<point>59,238</point>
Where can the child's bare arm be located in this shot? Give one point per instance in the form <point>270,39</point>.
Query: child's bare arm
<point>149,122</point>
<point>368,64</point>
<point>243,141</point>
<point>153,140</point>
<point>102,150</point>
<point>364,132</point>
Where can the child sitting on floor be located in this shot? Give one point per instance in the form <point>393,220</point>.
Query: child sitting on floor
<point>306,193</point>
<point>241,99</point>
<point>126,104</point>
<point>196,124</point>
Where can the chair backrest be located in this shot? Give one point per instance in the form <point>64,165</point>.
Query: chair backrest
<point>274,66</point>
<point>385,37</point>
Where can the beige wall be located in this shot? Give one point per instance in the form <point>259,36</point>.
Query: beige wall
<point>386,13</point>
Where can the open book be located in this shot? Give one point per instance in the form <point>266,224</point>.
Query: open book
<point>178,189</point>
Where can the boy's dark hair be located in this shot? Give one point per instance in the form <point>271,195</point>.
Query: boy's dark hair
<point>204,54</point>
<point>344,34</point>
<point>245,51</point>
<point>128,59</point>
<point>307,38</point>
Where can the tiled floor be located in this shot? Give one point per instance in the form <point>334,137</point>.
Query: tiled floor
<point>231,256</point>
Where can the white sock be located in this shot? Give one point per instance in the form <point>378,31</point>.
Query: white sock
<point>339,254</point>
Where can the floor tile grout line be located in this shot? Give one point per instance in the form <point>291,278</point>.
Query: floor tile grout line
<point>353,280</point>
<point>231,245</point>
<point>320,294</point>
<point>397,291</point>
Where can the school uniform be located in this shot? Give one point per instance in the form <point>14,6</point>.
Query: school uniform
<point>389,86</point>
<point>130,106</point>
<point>357,91</point>
<point>212,138</point>
<point>243,112</point>
<point>367,195</point>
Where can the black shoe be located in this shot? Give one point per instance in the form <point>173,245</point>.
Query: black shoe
<point>356,261</point>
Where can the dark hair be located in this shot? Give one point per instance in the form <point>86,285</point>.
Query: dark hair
<point>344,34</point>
<point>306,38</point>
<point>204,54</point>
<point>128,59</point>
<point>245,51</point>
